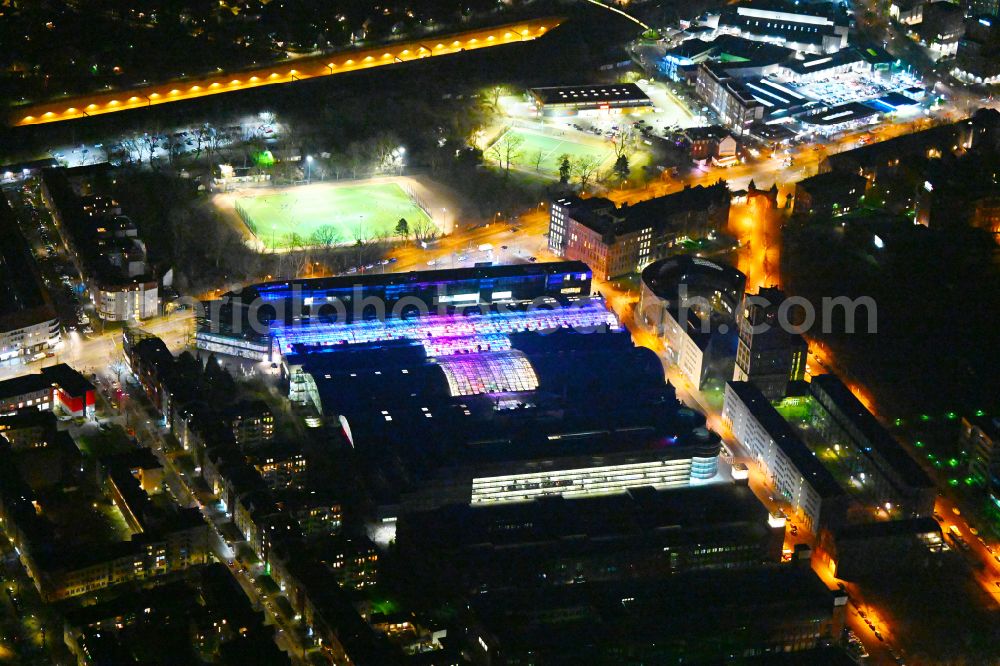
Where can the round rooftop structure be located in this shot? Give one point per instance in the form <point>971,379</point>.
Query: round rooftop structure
<point>701,277</point>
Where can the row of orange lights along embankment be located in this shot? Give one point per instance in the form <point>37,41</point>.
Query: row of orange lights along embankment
<point>148,96</point>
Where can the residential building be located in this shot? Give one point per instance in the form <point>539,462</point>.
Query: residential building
<point>787,463</point>
<point>615,241</point>
<point>941,29</point>
<point>907,12</point>
<point>711,143</point>
<point>770,355</point>
<point>29,327</point>
<point>831,193</point>
<point>282,465</point>
<point>108,249</point>
<point>252,423</point>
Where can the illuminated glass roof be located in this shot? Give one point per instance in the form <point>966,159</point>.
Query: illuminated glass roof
<point>492,372</point>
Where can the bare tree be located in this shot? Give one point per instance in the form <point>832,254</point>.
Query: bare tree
<point>327,235</point>
<point>147,143</point>
<point>537,159</point>
<point>584,170</point>
<point>493,95</point>
<point>622,140</point>
<point>506,150</point>
<point>423,230</point>
<point>385,148</point>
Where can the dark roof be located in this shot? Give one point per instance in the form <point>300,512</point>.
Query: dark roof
<point>886,528</point>
<point>665,276</point>
<point>781,432</point>
<point>843,113</point>
<point>710,133</point>
<point>688,608</point>
<point>597,93</point>
<point>556,518</point>
<point>23,299</point>
<point>878,437</point>
<point>23,384</point>
<point>68,379</point>
<point>831,180</point>
<point>417,277</point>
<point>819,62</point>
<point>603,217</point>
<point>901,147</point>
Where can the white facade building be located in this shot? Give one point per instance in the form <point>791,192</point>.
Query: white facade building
<point>794,471</point>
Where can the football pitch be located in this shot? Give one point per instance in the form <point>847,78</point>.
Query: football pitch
<point>323,214</point>
<point>551,148</point>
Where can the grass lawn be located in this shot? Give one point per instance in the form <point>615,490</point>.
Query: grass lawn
<point>552,147</point>
<point>277,217</point>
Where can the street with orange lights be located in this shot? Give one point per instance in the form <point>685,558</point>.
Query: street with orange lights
<point>289,72</point>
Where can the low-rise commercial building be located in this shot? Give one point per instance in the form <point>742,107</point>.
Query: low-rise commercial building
<point>57,388</point>
<point>597,99</point>
<point>796,473</point>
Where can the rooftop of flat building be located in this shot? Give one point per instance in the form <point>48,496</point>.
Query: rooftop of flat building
<point>594,93</point>
<point>655,214</point>
<point>784,436</point>
<point>639,510</point>
<point>878,437</point>
<point>23,299</point>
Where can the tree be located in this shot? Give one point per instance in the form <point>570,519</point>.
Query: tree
<point>423,230</point>
<point>327,235</point>
<point>403,227</point>
<point>565,169</point>
<point>493,95</point>
<point>536,160</point>
<point>506,150</point>
<point>622,168</point>
<point>622,141</point>
<point>584,169</point>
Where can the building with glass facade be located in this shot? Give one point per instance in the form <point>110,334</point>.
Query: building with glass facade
<point>479,386</point>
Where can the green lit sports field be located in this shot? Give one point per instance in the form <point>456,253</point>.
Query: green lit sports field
<point>552,147</point>
<point>278,219</point>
